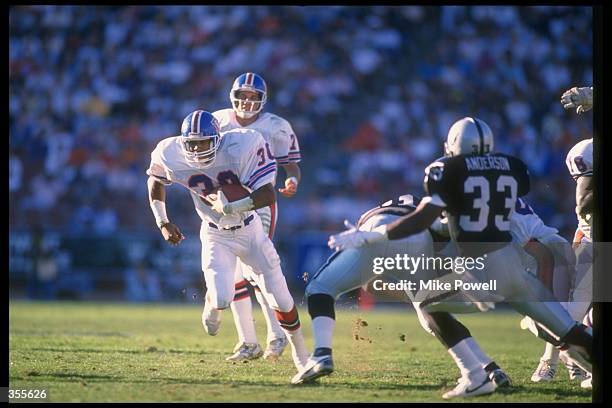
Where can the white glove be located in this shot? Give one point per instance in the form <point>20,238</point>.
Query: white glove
<point>219,203</point>
<point>579,98</point>
<point>353,238</point>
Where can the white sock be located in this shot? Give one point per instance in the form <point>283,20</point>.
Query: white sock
<point>243,318</point>
<point>482,357</point>
<point>551,353</point>
<point>466,361</point>
<point>299,353</point>
<point>275,331</point>
<point>323,331</point>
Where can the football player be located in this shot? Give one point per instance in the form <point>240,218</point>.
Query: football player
<point>580,164</point>
<point>248,96</point>
<point>550,256</point>
<point>579,161</point>
<point>352,268</point>
<point>478,190</point>
<point>532,232</point>
<point>203,159</point>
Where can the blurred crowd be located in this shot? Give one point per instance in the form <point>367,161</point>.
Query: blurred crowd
<point>369,91</point>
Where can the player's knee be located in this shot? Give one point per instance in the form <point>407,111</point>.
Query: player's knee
<point>224,304</point>
<point>422,315</point>
<point>314,288</point>
<point>220,301</point>
<point>320,304</point>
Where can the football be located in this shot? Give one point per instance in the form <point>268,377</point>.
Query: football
<point>234,192</point>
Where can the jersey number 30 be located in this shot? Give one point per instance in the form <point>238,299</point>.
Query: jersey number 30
<point>502,221</point>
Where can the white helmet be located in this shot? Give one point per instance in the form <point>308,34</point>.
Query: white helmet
<point>469,136</point>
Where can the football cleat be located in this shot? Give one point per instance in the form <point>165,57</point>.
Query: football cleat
<point>275,348</point>
<point>246,351</point>
<point>587,384</point>
<point>468,388</point>
<point>576,373</point>
<point>211,319</point>
<point>500,378</point>
<point>314,368</point>
<point>544,372</point>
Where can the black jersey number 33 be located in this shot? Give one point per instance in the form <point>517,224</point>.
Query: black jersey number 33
<point>479,194</point>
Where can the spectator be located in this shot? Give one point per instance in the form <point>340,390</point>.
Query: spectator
<point>93,89</point>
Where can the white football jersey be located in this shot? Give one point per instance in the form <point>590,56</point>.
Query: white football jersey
<point>579,162</point>
<point>277,132</point>
<point>525,224</point>
<point>241,158</point>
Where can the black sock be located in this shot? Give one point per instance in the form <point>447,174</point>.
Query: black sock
<point>322,351</point>
<point>579,337</point>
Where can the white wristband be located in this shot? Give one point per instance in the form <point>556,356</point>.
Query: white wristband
<point>242,205</point>
<point>159,212</point>
<point>292,178</point>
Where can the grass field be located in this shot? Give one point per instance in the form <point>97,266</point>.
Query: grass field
<point>123,352</point>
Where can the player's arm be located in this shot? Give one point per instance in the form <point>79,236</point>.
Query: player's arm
<point>294,175</point>
<point>157,201</point>
<point>264,196</point>
<point>257,172</point>
<point>417,221</point>
<point>584,195</point>
<point>545,261</point>
<point>287,153</point>
<point>430,207</point>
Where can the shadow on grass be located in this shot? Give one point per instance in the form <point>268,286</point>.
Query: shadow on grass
<point>143,351</point>
<point>326,384</point>
<point>35,332</point>
<point>577,392</point>
<point>76,377</point>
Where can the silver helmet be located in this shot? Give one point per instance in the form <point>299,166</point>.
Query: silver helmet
<point>469,136</point>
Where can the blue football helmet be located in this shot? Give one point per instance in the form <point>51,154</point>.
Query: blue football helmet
<point>197,127</point>
<point>248,81</point>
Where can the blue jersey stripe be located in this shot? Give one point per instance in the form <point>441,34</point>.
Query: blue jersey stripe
<point>250,184</point>
<point>259,171</point>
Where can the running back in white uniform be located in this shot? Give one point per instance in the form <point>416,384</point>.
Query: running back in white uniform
<point>241,158</point>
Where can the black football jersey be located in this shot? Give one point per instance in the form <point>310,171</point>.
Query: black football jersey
<point>479,193</point>
<point>403,205</point>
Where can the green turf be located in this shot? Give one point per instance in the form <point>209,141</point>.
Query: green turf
<point>124,352</point>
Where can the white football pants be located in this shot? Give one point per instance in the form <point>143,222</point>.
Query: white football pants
<point>221,249</point>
